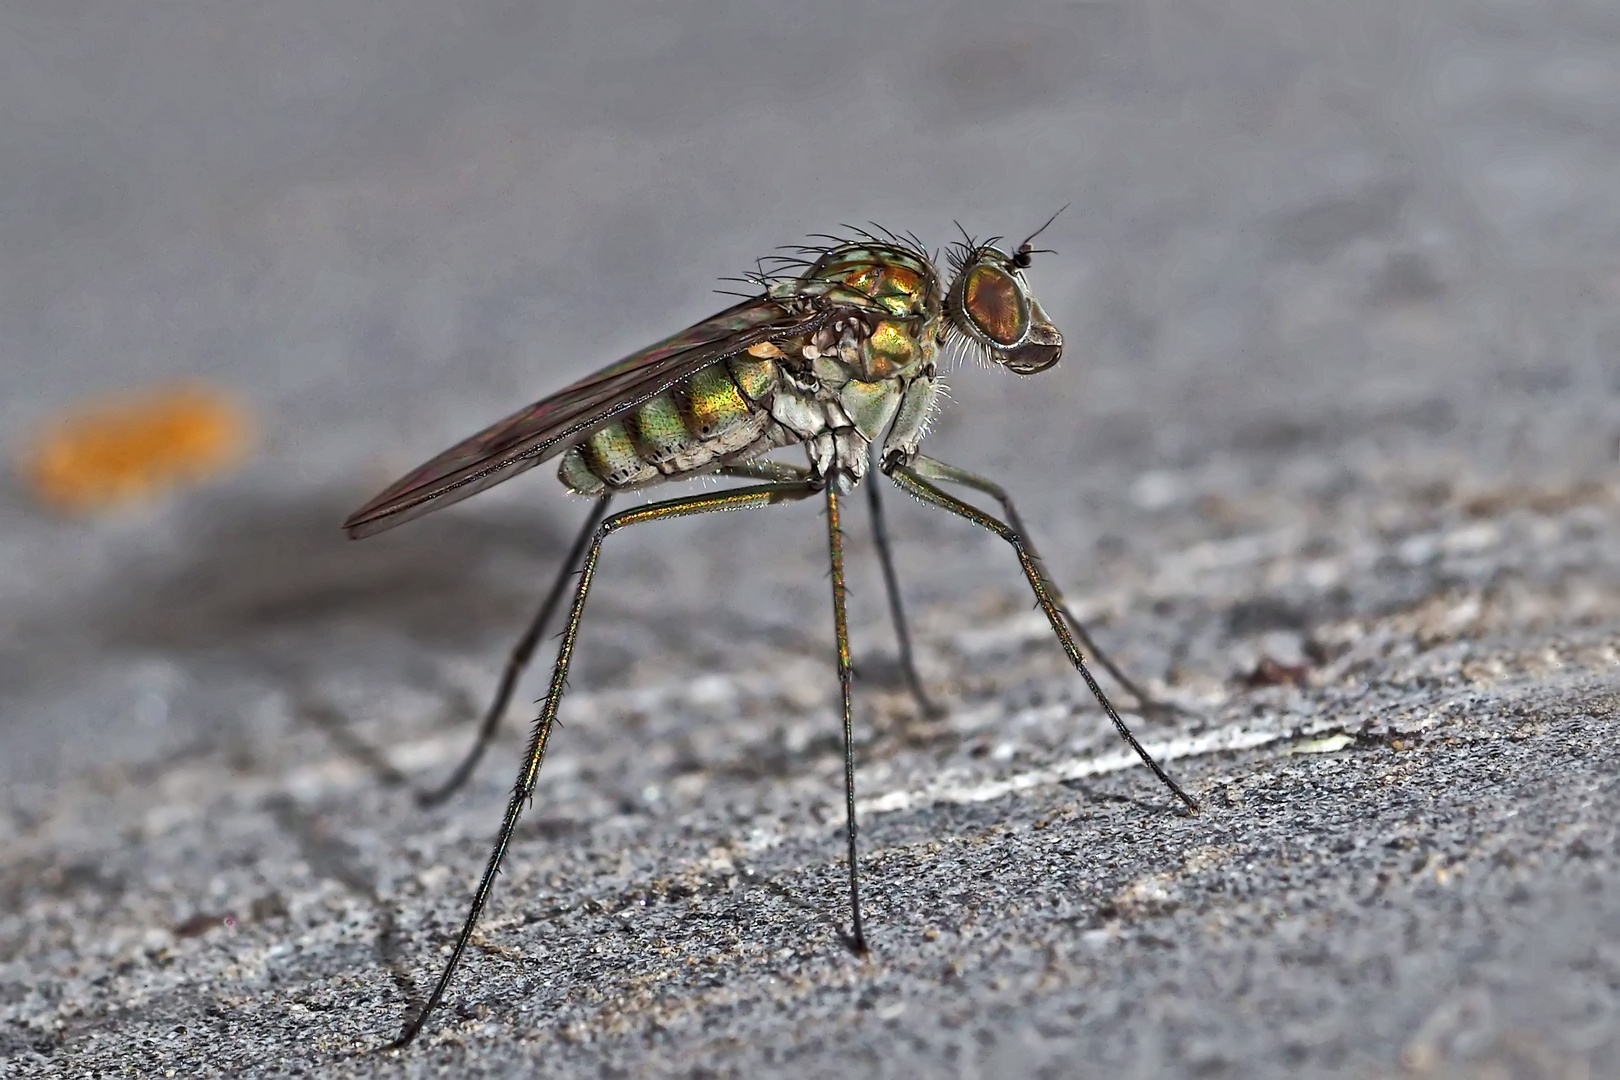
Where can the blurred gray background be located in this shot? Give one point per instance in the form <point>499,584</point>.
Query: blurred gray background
<point>1342,392</point>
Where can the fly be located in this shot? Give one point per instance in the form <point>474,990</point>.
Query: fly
<point>836,353</point>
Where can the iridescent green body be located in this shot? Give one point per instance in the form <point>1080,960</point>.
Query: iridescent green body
<point>857,380</point>
<point>838,358</point>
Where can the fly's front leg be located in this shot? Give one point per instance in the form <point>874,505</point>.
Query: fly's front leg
<point>939,471</point>
<point>914,477</point>
<point>518,661</point>
<point>758,495</point>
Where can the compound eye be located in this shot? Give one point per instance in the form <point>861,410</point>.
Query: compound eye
<point>996,303</point>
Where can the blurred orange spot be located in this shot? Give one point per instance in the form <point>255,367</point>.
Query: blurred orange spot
<point>135,446</point>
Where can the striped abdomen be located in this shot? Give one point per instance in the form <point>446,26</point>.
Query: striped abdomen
<point>702,420</point>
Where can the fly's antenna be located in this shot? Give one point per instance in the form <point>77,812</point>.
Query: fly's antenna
<point>1021,257</point>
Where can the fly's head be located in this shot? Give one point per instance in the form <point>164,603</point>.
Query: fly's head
<point>990,305</point>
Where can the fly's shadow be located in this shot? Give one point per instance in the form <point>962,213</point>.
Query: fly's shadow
<point>258,572</point>
<point>264,592</point>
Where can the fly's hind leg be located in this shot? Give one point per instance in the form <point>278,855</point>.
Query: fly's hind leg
<point>768,494</point>
<point>939,471</point>
<point>518,661</point>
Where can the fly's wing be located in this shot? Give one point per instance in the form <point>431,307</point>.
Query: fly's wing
<point>544,429</point>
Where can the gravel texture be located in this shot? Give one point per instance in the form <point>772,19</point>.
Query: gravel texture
<point>1331,464</point>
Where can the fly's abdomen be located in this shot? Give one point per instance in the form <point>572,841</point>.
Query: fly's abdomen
<point>609,458</point>
<point>706,418</point>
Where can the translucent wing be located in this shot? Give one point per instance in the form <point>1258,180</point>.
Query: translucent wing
<point>546,428</point>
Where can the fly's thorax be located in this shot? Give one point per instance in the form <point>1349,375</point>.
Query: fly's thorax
<point>887,278</point>
<point>869,346</point>
<point>849,373</point>
<point>893,307</point>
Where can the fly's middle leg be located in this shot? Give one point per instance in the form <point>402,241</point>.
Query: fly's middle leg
<point>897,612</point>
<point>835,552</point>
<point>775,470</point>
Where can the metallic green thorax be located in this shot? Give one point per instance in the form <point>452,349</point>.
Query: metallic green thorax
<point>863,378</point>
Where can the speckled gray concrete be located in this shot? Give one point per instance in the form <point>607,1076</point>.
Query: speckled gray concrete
<point>1341,286</point>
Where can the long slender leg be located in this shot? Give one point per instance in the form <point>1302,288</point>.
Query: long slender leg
<point>938,470</point>
<point>777,470</point>
<point>914,478</point>
<point>523,790</point>
<point>891,582</point>
<point>780,471</point>
<point>518,661</point>
<point>835,550</point>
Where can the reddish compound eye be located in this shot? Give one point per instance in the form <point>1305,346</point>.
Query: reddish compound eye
<point>992,298</point>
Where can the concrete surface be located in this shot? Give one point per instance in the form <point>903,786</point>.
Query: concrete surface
<point>1331,463</point>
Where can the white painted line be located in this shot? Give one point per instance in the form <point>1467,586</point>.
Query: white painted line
<point>961,791</point>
